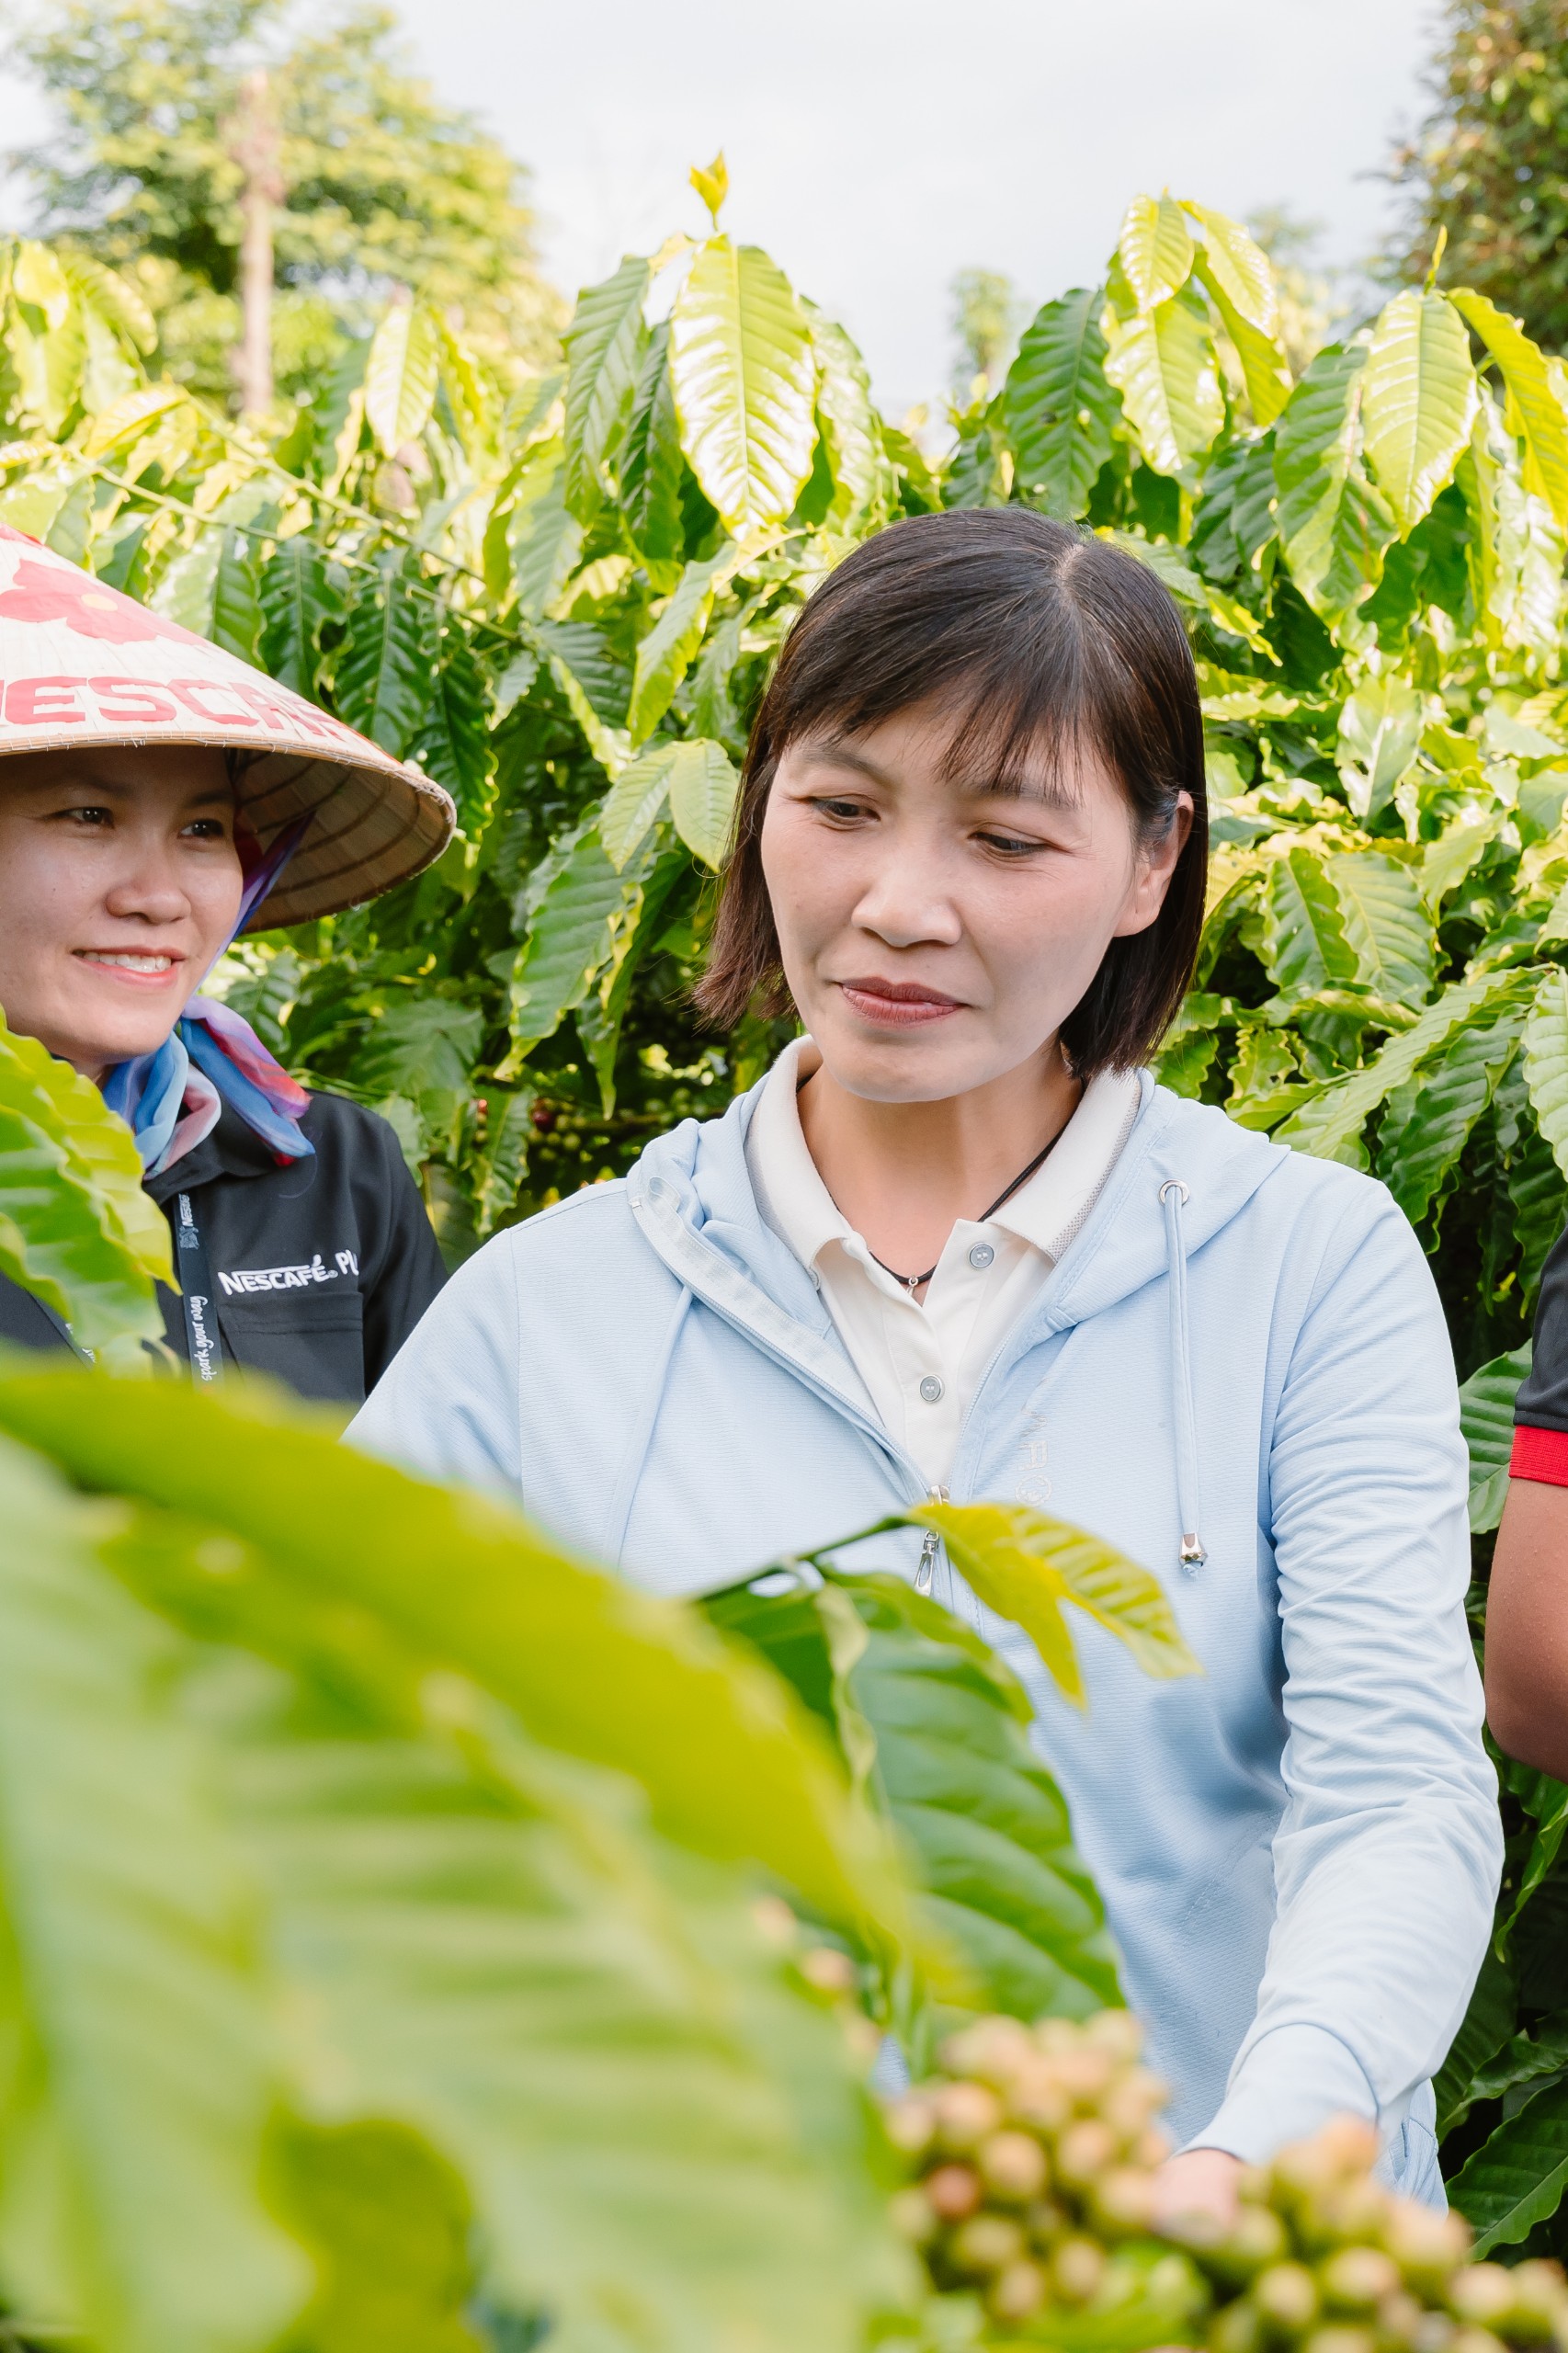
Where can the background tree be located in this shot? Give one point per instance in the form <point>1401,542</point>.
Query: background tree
<point>382,184</point>
<point>1489,164</point>
<point>985,319</point>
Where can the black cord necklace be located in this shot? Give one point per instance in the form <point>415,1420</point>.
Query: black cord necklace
<point>912,1283</point>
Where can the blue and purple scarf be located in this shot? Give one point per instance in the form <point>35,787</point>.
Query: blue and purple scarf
<point>172,1098</point>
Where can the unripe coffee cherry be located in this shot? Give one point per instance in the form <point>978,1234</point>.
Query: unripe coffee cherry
<point>993,2048</point>
<point>1476,2340</point>
<point>1046,2222</point>
<point>1035,2099</point>
<point>1340,2339</point>
<point>985,2244</point>
<point>1238,2329</point>
<point>965,2114</point>
<point>1077,2266</point>
<point>1287,2296</point>
<point>1083,2150</point>
<point>1012,2166</point>
<point>1018,2293</point>
<point>1483,2292</point>
<point>1399,2320</point>
<point>1357,2279</point>
<point>911,2124</point>
<point>1256,2239</point>
<point>1123,2201</point>
<point>954,2192</point>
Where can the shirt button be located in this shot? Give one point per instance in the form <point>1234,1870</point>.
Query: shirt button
<point>931,1389</point>
<point>980,1258</point>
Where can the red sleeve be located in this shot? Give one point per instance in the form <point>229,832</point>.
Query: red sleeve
<point>1541,1455</point>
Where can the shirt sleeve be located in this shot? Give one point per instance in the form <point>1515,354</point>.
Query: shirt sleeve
<point>1389,1849</point>
<point>407,1271</point>
<point>1540,1409</point>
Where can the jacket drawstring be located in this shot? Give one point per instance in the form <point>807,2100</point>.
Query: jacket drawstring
<point>1173,1200</point>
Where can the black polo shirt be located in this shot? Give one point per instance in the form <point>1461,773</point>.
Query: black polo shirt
<point>319,1269</point>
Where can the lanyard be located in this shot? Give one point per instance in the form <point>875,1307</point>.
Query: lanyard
<point>196,1286</point>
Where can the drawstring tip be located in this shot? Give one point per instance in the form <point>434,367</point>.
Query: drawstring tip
<point>1192,1555</point>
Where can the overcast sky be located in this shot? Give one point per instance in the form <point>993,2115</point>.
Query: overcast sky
<point>876,149</point>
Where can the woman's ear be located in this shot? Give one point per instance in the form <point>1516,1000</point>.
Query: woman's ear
<point>1157,862</point>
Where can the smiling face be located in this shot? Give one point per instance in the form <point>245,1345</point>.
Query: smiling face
<point>119,884</point>
<point>935,934</point>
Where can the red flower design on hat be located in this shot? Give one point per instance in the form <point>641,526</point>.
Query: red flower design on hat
<point>49,592</point>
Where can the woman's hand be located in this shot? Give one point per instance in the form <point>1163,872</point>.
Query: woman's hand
<point>1200,2182</point>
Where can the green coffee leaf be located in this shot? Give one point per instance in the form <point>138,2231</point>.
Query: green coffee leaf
<point>1163,364</point>
<point>1304,941</point>
<point>1058,406</point>
<point>1430,1119</point>
<point>590,1665</point>
<point>75,1226</point>
<point>1333,525</point>
<point>382,680</point>
<point>702,789</point>
<point>1155,249</point>
<point>745,379</point>
<point>1334,1118</point>
<point>137,2013</point>
<point>1239,276</point>
<point>651,457</point>
<point>236,597</point>
<point>604,348</point>
<point>1024,1565</point>
<point>1532,393</point>
<point>1379,729</point>
<point>400,375</point>
<point>952,1767</point>
<point>1419,400</point>
<point>569,939</point>
<point>666,654</point>
<point>454,741</point>
<point>1517,2177</point>
<point>298,596</point>
<point>862,479</point>
<point>1546,1060</point>
<point>1386,925</point>
<point>633,802</point>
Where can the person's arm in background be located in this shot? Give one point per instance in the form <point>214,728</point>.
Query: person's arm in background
<point>1526,1609</point>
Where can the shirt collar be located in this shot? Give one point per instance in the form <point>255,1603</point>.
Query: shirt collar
<point>1045,1213</point>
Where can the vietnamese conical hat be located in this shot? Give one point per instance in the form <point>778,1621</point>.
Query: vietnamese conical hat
<point>80,662</point>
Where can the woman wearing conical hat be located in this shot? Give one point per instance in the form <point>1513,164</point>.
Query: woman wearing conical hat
<point>157,798</point>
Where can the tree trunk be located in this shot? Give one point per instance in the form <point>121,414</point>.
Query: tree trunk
<point>252,144</point>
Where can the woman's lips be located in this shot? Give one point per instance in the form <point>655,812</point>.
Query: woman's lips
<point>133,968</point>
<point>898,1004</point>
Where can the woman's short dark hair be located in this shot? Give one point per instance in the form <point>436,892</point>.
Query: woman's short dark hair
<point>1037,639</point>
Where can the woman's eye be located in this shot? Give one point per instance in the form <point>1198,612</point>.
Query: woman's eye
<point>206,829</point>
<point>88,816</point>
<point>1011,845</point>
<point>840,809</point>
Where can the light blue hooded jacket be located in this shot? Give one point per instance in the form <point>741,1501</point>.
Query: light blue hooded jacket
<point>1299,1850</point>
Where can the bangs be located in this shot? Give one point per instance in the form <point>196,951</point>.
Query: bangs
<point>1038,649</point>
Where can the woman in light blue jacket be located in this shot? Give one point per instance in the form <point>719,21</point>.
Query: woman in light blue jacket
<point>958,1240</point>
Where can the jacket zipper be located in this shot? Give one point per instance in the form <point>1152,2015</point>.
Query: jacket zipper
<point>930,1545</point>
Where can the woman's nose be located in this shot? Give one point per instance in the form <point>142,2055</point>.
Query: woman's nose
<point>909,900</point>
<point>150,894</point>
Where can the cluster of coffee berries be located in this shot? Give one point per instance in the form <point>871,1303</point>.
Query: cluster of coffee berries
<point>1322,2256</point>
<point>1036,2155</point>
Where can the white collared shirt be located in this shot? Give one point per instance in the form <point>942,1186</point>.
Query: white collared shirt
<point>923,1362</point>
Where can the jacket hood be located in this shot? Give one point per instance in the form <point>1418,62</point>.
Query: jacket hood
<point>697,1175</point>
